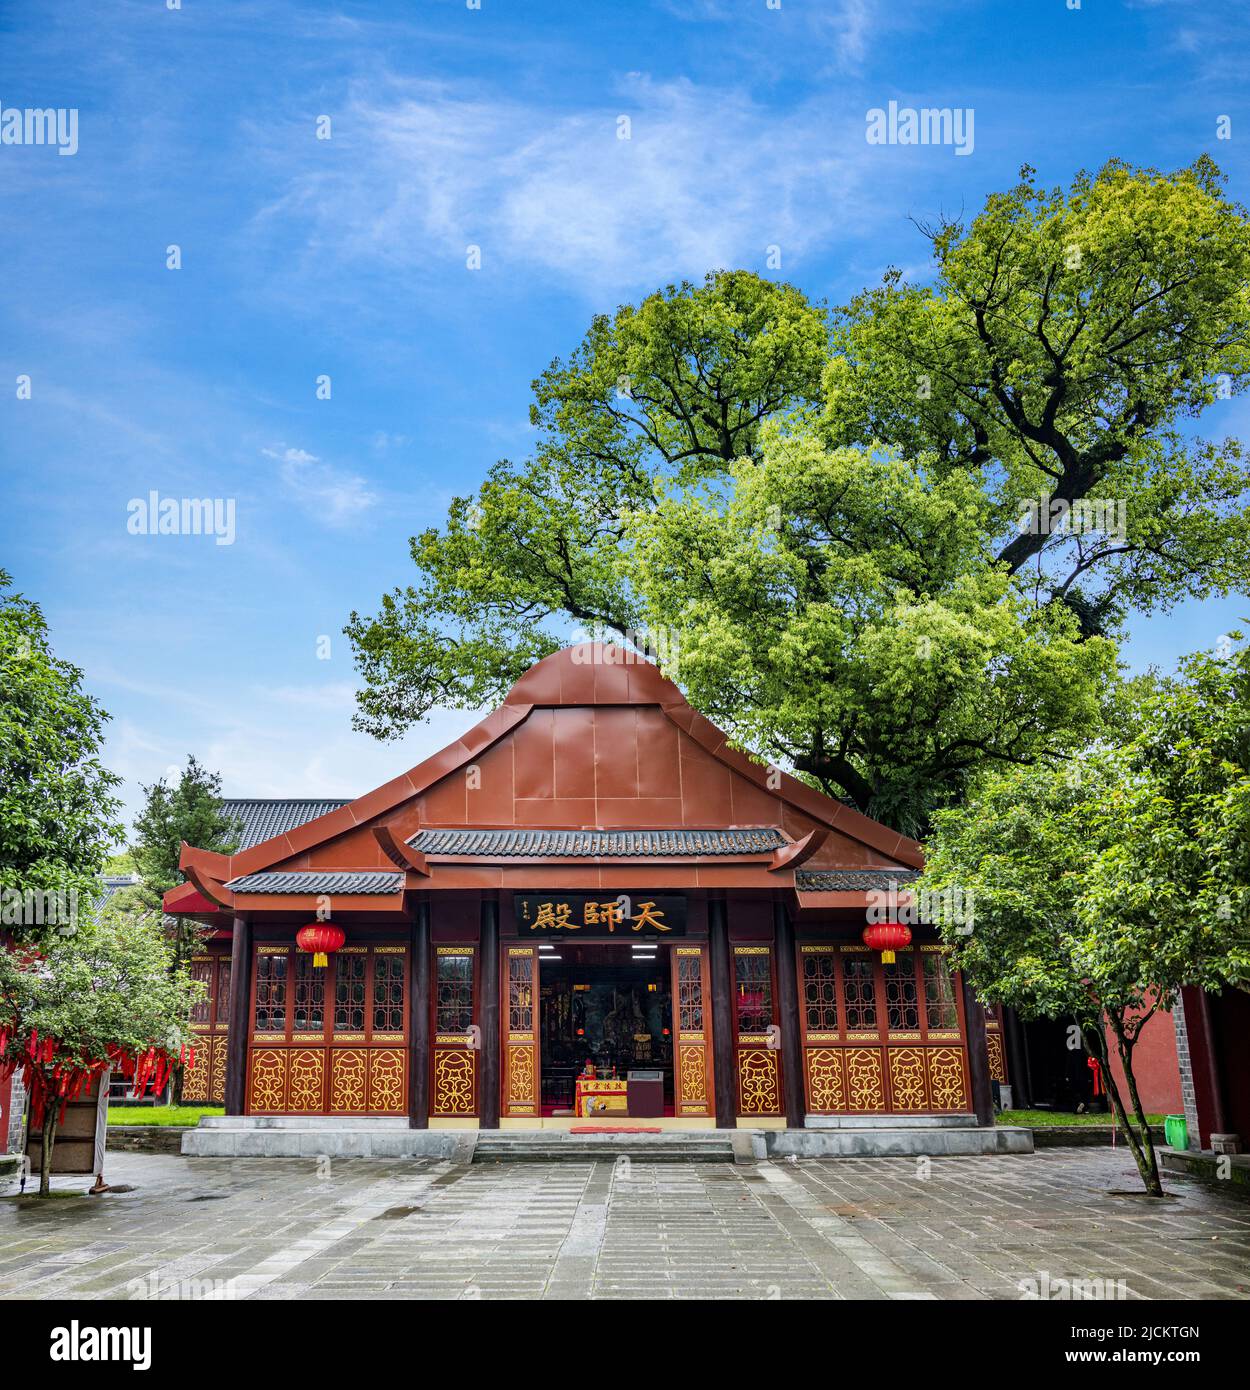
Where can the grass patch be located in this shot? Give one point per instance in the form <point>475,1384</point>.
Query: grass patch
<point>1033,1119</point>
<point>161,1114</point>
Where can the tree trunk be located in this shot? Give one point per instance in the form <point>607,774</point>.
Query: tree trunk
<point>1141,1144</point>
<point>45,1148</point>
<point>1154,1184</point>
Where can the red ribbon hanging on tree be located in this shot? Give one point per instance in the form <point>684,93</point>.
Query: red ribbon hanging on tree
<point>1093,1064</point>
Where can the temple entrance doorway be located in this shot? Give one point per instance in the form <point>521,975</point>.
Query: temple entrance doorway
<point>606,1018</point>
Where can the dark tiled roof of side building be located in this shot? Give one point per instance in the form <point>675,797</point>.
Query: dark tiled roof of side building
<point>261,818</point>
<point>324,881</point>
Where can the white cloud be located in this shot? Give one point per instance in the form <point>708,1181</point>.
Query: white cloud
<point>707,178</point>
<point>336,497</point>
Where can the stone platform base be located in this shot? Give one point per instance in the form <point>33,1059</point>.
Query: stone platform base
<point>344,1136</point>
<point>898,1141</point>
<point>1235,1172</point>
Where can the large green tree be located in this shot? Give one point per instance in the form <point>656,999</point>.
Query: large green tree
<point>1067,340</point>
<point>1068,337</point>
<point>58,811</point>
<point>1102,884</point>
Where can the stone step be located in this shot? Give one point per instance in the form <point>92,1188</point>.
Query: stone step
<point>543,1148</point>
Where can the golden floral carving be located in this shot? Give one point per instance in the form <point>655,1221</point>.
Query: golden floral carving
<point>994,1046</point>
<point>388,1093</point>
<point>217,1076</point>
<point>757,1082</point>
<point>268,1092</point>
<point>864,1080</point>
<point>307,1073</point>
<point>195,1081</point>
<point>825,1090</point>
<point>946,1077</point>
<point>906,1078</point>
<point>347,1080</point>
<point>453,1082</point>
<point>693,1076</point>
<point>520,1076</point>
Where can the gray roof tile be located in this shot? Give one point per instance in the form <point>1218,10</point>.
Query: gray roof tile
<point>584,844</point>
<point>318,882</point>
<point>261,818</point>
<point>850,880</point>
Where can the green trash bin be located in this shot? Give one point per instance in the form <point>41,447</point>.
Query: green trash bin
<point>1176,1132</point>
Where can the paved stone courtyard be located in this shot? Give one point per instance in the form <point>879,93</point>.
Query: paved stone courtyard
<point>843,1228</point>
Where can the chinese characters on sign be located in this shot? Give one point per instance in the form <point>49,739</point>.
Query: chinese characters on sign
<point>602,915</point>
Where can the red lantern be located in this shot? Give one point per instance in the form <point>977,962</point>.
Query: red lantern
<point>887,937</point>
<point>321,938</point>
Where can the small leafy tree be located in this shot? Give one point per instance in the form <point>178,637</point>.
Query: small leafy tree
<point>109,994</point>
<point>1104,885</point>
<point>190,810</point>
<point>57,807</point>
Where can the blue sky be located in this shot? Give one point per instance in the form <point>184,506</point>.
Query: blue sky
<point>451,127</point>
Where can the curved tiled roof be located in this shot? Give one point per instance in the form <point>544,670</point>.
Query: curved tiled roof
<point>586,844</point>
<point>261,818</point>
<point>325,881</point>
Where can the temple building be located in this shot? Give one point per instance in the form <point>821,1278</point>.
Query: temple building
<point>588,909</point>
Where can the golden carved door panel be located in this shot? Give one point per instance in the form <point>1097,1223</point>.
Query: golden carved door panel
<point>754,1006</point>
<point>519,1023</point>
<point>692,1029</point>
<point>453,1059</point>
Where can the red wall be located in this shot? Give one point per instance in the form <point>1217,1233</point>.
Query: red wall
<point>1155,1068</point>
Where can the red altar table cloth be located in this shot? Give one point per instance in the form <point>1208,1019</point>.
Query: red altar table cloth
<point>592,1089</point>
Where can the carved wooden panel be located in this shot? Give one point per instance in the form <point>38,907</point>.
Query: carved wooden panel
<point>692,1029</point>
<point>217,1073</point>
<point>196,1075</point>
<point>865,1081</point>
<point>306,1080</point>
<point>388,1081</point>
<point>759,1089</point>
<point>268,1086</point>
<point>907,1078</point>
<point>948,1089</point>
<point>826,1083</point>
<point>349,1069</point>
<point>455,1081</point>
<point>519,1026</point>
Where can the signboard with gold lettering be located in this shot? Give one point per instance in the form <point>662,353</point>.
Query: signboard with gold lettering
<point>604,915</point>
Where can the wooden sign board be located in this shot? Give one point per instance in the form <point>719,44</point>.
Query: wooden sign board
<point>602,916</point>
<point>79,1143</point>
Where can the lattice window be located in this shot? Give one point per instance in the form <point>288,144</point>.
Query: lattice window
<point>454,1008</point>
<point>349,992</point>
<point>520,993</point>
<point>310,995</point>
<point>689,994</point>
<point>820,993</point>
<point>939,992</point>
<point>902,1011</point>
<point>271,980</point>
<point>388,992</point>
<point>202,973</point>
<point>860,993</point>
<point>222,1010</point>
<point>753,995</point>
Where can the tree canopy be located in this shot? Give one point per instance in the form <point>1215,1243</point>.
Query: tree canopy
<point>884,547</point>
<point>1104,884</point>
<point>58,813</point>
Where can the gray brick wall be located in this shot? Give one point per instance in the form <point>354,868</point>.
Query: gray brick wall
<point>1187,1073</point>
<point>13,1140</point>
